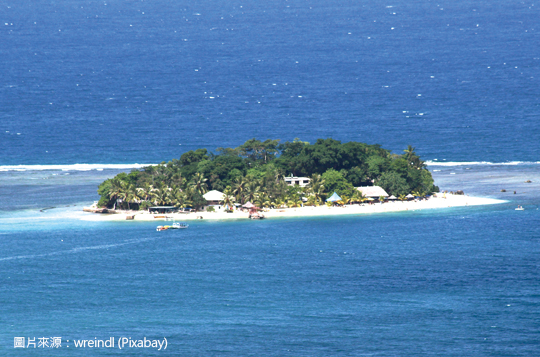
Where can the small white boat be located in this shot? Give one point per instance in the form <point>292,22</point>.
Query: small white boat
<point>180,225</point>
<point>520,208</point>
<point>174,226</point>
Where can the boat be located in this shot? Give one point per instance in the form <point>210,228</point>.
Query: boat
<point>173,226</point>
<point>520,208</point>
<point>256,216</point>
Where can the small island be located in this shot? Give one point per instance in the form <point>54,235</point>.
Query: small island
<point>268,179</point>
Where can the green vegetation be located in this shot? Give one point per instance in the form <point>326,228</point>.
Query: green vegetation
<point>255,172</point>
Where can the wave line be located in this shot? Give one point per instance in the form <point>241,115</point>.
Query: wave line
<point>481,163</point>
<point>73,167</point>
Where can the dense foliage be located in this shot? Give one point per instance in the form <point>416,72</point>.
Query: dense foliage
<point>255,172</point>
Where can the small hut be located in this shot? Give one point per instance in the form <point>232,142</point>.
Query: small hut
<point>248,205</point>
<point>253,211</point>
<point>372,191</point>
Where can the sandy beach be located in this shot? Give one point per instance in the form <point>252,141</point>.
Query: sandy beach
<point>439,201</point>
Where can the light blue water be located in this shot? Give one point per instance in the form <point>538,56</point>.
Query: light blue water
<point>141,82</point>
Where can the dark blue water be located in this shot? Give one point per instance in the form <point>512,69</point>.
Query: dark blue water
<point>126,82</point>
<point>117,82</point>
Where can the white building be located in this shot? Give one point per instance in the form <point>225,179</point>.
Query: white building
<point>298,181</point>
<point>214,198</point>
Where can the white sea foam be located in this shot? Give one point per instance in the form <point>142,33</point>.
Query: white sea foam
<point>482,163</point>
<point>74,167</point>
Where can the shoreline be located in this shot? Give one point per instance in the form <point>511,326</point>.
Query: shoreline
<point>443,201</point>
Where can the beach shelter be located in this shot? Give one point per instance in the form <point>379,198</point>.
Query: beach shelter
<point>248,205</point>
<point>409,196</point>
<point>333,198</point>
<point>392,197</point>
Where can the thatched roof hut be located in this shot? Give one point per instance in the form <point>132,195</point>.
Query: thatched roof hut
<point>372,191</point>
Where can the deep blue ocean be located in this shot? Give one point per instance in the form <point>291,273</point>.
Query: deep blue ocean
<point>92,88</point>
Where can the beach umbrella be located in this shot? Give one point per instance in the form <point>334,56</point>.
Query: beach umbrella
<point>409,196</point>
<point>248,205</point>
<point>392,197</point>
<point>333,198</point>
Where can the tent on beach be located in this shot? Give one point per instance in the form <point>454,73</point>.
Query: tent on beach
<point>248,205</point>
<point>333,198</point>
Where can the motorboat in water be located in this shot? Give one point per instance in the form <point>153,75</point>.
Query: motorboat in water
<point>173,226</point>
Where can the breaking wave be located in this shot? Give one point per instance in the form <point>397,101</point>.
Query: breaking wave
<point>73,167</point>
<point>481,163</point>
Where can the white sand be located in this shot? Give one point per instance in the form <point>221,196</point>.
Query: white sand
<point>442,201</point>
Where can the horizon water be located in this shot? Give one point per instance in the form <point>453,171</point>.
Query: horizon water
<point>93,88</point>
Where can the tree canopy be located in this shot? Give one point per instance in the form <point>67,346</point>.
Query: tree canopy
<point>255,172</point>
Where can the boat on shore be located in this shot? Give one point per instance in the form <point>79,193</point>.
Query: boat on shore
<point>173,226</point>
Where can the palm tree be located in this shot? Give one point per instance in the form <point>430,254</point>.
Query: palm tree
<point>268,203</point>
<point>131,195</point>
<point>313,201</point>
<point>239,187</point>
<point>180,198</point>
<point>358,196</point>
<point>316,186</point>
<point>116,190</point>
<point>345,199</point>
<point>413,159</point>
<point>294,203</point>
<point>252,190</point>
<point>228,199</point>
<point>144,192</point>
<point>409,153</point>
<point>176,179</point>
<point>280,202</point>
<point>161,194</point>
<point>198,183</point>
